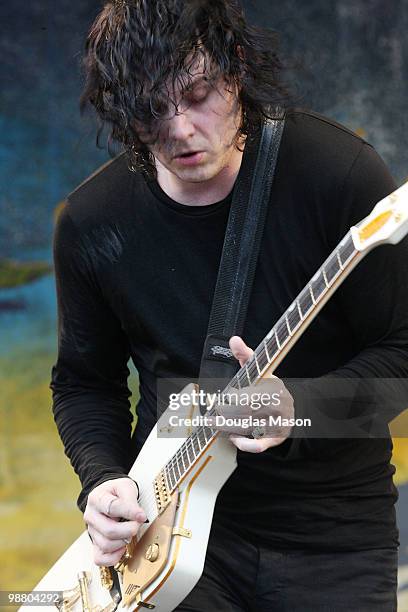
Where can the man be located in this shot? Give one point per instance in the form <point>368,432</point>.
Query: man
<point>301,524</point>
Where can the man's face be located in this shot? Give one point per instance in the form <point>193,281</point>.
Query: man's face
<point>198,142</point>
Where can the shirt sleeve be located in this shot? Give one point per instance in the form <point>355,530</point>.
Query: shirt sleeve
<point>91,404</point>
<point>368,391</point>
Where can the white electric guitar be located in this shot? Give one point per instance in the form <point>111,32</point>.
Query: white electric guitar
<point>179,478</point>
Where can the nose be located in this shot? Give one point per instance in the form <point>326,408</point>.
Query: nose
<point>181,126</point>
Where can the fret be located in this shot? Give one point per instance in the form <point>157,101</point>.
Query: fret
<point>186,458</point>
<point>190,451</point>
<point>206,436</point>
<point>266,351</point>
<point>318,284</point>
<point>272,346</point>
<point>257,364</point>
<point>287,325</point>
<point>325,277</point>
<point>300,312</point>
<point>281,333</point>
<point>171,477</point>
<point>210,432</point>
<point>306,302</point>
<point>197,444</point>
<point>347,249</point>
<point>295,320</point>
<point>185,454</point>
<point>311,294</point>
<point>180,461</point>
<point>247,374</point>
<point>339,260</point>
<point>175,465</point>
<point>193,448</point>
<point>332,269</point>
<point>262,357</point>
<point>184,462</point>
<point>235,383</point>
<point>241,377</point>
<point>201,437</point>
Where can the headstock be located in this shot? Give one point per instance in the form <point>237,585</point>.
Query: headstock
<point>387,223</point>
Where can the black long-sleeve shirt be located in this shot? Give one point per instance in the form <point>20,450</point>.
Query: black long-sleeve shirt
<point>135,275</point>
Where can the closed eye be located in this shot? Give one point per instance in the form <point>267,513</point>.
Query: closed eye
<point>197,95</point>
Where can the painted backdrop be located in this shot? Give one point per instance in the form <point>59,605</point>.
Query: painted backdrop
<point>352,62</point>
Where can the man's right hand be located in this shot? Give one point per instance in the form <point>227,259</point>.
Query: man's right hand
<point>107,504</point>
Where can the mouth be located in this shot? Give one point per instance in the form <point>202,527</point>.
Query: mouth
<point>189,158</point>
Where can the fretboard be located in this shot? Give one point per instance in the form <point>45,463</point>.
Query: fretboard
<point>273,348</point>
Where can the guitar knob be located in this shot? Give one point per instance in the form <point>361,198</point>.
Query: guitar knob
<point>152,552</point>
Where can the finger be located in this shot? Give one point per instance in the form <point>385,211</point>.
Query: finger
<point>119,501</point>
<point>227,427</point>
<point>240,350</point>
<point>123,509</point>
<point>232,409</point>
<point>108,559</point>
<point>112,529</point>
<point>248,445</point>
<point>104,544</point>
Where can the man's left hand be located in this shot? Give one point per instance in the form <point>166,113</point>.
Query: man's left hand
<point>280,405</point>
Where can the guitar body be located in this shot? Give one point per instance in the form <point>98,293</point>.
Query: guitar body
<point>178,537</point>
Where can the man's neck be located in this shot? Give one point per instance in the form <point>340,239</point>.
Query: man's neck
<point>204,192</point>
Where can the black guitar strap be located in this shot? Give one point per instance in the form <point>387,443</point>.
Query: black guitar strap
<point>240,252</point>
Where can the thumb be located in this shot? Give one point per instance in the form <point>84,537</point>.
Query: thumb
<point>240,350</point>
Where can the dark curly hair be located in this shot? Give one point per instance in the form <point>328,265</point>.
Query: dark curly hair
<point>138,51</point>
